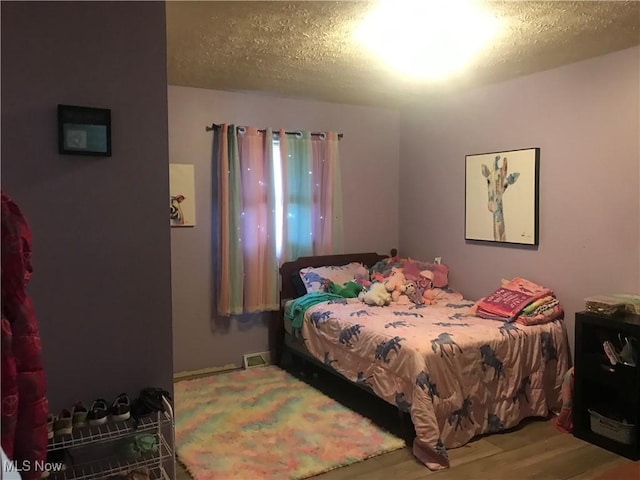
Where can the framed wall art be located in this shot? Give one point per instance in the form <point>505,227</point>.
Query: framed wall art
<point>501,196</point>
<point>182,196</point>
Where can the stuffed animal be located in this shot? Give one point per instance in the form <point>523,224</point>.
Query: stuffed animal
<point>376,295</point>
<point>348,290</point>
<point>429,295</point>
<point>395,283</point>
<point>377,277</point>
<point>414,293</point>
<point>362,277</point>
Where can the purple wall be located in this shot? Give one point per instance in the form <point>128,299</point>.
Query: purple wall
<point>101,286</point>
<point>585,118</point>
<point>369,154</point>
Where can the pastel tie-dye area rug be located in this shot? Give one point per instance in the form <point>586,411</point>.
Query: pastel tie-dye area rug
<point>263,423</point>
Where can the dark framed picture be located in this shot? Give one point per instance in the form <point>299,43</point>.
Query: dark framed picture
<point>501,196</point>
<point>84,131</point>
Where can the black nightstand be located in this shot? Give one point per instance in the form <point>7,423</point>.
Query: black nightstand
<point>609,390</point>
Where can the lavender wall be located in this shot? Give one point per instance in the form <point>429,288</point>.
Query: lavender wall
<point>585,119</point>
<point>369,153</point>
<point>101,284</point>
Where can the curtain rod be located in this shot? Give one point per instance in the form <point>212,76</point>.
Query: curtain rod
<point>215,126</point>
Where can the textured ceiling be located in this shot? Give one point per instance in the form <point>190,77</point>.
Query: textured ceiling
<point>304,49</point>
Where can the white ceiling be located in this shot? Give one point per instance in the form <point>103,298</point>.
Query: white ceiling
<point>304,49</point>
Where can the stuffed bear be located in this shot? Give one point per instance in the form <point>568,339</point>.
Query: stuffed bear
<point>376,295</point>
<point>395,283</point>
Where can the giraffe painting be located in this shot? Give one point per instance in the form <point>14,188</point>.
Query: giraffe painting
<point>497,183</point>
<point>501,196</point>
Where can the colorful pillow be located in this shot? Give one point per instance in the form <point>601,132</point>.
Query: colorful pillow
<point>315,278</point>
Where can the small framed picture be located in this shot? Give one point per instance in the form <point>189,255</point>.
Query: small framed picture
<point>84,131</point>
<point>182,204</point>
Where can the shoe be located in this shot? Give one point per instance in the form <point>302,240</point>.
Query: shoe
<point>50,419</point>
<point>126,448</point>
<point>79,415</point>
<point>62,424</point>
<point>137,445</point>
<point>98,412</point>
<point>121,408</point>
<point>146,443</point>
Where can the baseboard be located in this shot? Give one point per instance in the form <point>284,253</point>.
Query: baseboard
<point>203,372</point>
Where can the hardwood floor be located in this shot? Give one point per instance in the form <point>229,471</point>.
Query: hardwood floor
<point>533,450</point>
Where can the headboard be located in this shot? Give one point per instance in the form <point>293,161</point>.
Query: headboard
<point>287,288</point>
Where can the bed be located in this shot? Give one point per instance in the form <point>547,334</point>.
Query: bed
<point>457,375</point>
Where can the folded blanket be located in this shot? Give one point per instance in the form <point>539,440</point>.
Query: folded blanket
<point>504,303</point>
<point>482,314</point>
<point>538,317</point>
<point>520,284</point>
<point>540,303</point>
<point>296,309</point>
<point>511,298</point>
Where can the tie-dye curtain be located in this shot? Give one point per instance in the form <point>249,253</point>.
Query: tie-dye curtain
<point>297,197</point>
<point>312,195</point>
<point>248,277</point>
<point>247,264</point>
<point>327,191</point>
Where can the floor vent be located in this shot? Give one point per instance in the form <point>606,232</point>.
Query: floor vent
<point>260,359</point>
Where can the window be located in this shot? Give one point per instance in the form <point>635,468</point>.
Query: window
<point>275,205</point>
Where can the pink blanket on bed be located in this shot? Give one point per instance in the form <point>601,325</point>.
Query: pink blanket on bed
<point>459,376</point>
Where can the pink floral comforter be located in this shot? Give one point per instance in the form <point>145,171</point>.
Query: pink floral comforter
<point>457,375</point>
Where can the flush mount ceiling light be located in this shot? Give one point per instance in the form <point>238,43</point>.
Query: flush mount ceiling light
<point>427,38</point>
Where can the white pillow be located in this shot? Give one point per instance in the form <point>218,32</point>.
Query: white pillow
<point>314,277</point>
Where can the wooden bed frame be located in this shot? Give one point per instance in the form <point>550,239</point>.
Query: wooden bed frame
<point>288,290</point>
<point>286,346</point>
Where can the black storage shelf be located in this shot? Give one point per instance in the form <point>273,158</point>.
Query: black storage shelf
<point>611,390</point>
<point>601,371</point>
